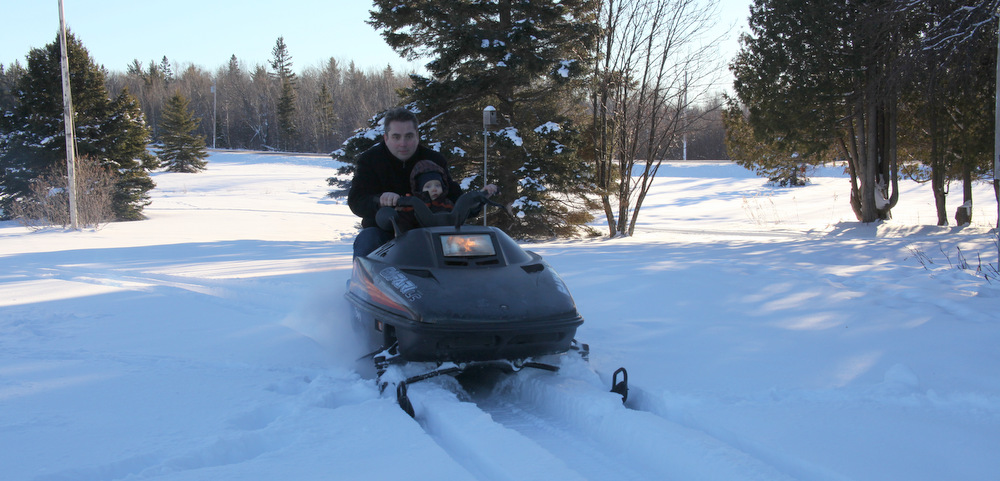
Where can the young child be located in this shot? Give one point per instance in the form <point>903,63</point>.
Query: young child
<point>427,181</point>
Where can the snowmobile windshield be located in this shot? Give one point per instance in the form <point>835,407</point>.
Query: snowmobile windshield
<point>467,245</point>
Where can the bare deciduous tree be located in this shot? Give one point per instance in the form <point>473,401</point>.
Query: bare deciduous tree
<point>48,202</point>
<point>656,61</point>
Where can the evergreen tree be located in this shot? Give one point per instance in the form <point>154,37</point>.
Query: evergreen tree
<point>782,163</point>
<point>182,151</point>
<point>327,118</point>
<point>871,79</point>
<point>150,85</point>
<point>827,75</point>
<point>8,81</point>
<point>163,70</point>
<point>947,112</point>
<point>528,60</point>
<point>113,133</point>
<point>282,65</point>
<point>126,140</point>
<point>232,84</point>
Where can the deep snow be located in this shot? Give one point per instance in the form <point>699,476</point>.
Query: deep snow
<point>767,336</point>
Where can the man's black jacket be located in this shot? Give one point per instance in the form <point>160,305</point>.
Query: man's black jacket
<point>379,171</point>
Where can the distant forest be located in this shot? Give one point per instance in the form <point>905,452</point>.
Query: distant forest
<point>269,107</point>
<point>329,102</point>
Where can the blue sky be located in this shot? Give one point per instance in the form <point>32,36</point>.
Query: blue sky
<point>207,32</point>
<point>203,32</point>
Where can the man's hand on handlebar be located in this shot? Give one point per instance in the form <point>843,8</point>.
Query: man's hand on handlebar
<point>490,189</point>
<point>388,199</point>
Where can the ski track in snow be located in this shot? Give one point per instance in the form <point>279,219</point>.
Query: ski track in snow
<point>566,426</point>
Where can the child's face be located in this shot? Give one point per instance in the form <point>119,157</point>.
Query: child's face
<point>433,188</point>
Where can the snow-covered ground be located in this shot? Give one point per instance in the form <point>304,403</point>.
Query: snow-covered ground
<point>767,336</point>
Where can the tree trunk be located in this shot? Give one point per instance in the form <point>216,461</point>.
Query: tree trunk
<point>937,168</point>
<point>963,215</point>
<point>869,171</point>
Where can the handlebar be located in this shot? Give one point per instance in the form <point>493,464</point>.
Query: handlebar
<point>466,206</point>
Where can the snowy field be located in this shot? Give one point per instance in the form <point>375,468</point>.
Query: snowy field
<point>767,336</point>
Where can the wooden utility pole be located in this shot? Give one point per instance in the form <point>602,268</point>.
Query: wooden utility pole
<point>996,128</point>
<point>68,123</point>
<point>996,138</point>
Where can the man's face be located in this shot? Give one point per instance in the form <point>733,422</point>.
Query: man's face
<point>401,139</point>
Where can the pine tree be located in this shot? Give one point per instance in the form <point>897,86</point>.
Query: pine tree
<point>781,163</point>
<point>162,70</point>
<point>8,80</point>
<point>527,59</point>
<point>126,138</point>
<point>327,118</point>
<point>287,129</point>
<point>113,133</point>
<point>182,151</point>
<point>282,65</point>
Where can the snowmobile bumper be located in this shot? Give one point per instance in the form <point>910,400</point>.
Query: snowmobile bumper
<point>462,342</point>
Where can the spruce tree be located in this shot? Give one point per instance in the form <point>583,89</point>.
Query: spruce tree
<point>526,59</point>
<point>8,81</point>
<point>126,140</point>
<point>181,151</point>
<point>112,132</point>
<point>282,65</point>
<point>327,119</point>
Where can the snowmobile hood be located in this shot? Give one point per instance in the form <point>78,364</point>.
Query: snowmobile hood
<point>473,275</point>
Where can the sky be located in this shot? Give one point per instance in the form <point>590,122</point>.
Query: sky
<point>203,33</point>
<point>208,33</point>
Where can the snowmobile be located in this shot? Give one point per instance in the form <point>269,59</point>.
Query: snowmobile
<point>460,295</point>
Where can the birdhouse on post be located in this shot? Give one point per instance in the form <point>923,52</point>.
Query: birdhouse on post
<point>489,118</point>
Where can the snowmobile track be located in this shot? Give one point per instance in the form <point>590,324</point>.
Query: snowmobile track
<point>544,425</point>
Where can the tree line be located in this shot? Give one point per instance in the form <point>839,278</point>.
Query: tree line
<point>119,113</point>
<point>266,107</point>
<point>536,62</point>
<point>893,87</point>
<point>592,96</point>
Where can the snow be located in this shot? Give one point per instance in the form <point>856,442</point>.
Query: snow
<point>512,135</point>
<point>564,67</point>
<point>547,128</point>
<point>767,336</point>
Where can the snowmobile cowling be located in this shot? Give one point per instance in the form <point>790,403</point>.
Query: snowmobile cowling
<point>461,293</point>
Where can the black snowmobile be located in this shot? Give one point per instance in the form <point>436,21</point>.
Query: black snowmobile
<point>448,292</point>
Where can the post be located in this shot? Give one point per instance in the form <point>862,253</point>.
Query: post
<point>68,123</point>
<point>684,105</point>
<point>215,119</point>
<point>996,138</point>
<point>486,149</point>
<point>489,122</point>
